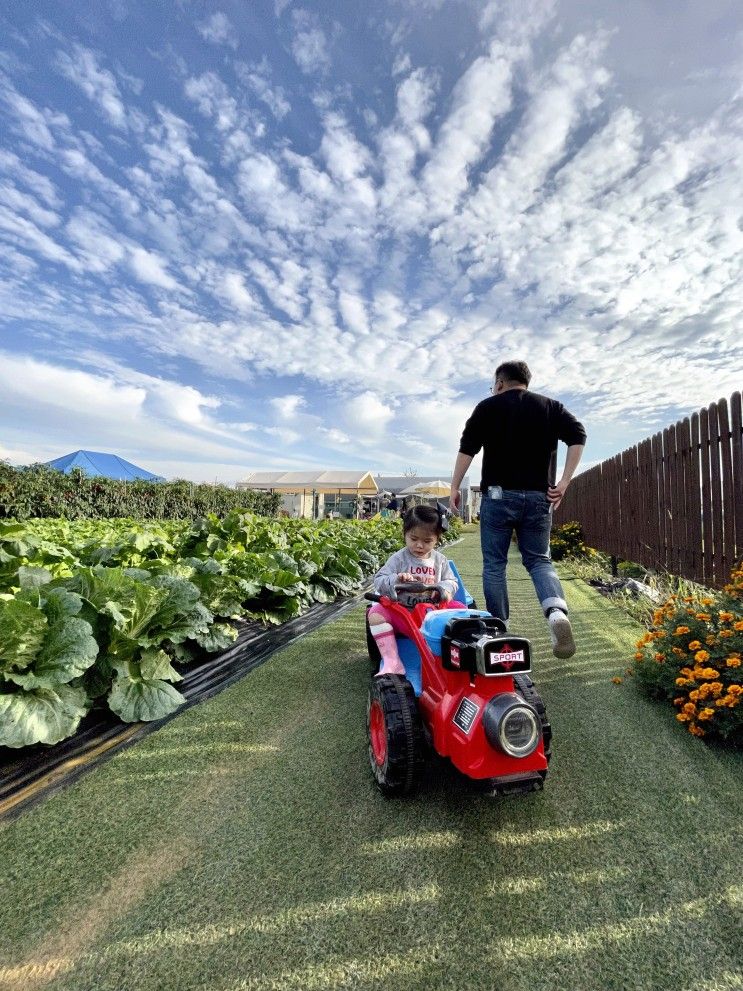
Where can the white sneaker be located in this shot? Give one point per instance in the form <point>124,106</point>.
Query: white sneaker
<point>561,632</point>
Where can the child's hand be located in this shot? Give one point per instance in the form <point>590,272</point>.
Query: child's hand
<point>446,596</point>
<point>405,576</point>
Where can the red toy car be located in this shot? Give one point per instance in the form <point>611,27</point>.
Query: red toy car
<point>466,693</point>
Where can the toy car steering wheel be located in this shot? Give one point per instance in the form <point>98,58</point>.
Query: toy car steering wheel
<point>411,593</point>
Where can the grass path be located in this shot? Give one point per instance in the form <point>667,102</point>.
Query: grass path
<point>244,847</point>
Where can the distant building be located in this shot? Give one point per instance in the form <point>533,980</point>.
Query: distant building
<point>318,494</point>
<point>347,494</point>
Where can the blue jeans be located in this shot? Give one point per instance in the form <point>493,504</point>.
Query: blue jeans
<point>528,514</point>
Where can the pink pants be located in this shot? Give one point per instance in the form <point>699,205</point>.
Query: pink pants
<point>394,620</point>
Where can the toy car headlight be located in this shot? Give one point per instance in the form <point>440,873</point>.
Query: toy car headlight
<point>511,725</point>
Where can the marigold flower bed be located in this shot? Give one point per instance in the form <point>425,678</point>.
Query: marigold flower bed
<point>693,656</point>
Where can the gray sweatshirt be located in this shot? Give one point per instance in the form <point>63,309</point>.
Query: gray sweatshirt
<point>431,570</point>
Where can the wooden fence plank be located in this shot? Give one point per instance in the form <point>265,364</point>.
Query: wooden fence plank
<point>736,427</point>
<point>656,443</point>
<point>706,493</point>
<point>694,505</point>
<point>727,531</point>
<point>716,482</point>
<point>683,441</point>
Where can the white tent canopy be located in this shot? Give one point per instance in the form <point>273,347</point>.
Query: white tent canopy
<point>344,482</point>
<point>434,488</point>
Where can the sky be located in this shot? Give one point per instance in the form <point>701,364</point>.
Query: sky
<point>274,234</point>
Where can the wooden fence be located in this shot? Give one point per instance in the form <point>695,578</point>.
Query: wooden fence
<point>673,502</point>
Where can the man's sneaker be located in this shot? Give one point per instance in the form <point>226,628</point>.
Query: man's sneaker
<point>563,644</point>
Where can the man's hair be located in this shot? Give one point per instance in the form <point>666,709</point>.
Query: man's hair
<point>514,371</point>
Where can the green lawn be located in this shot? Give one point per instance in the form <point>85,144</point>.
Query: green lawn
<point>244,846</point>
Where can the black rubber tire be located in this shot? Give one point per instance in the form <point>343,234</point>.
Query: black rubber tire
<point>393,698</point>
<point>371,645</point>
<point>525,687</point>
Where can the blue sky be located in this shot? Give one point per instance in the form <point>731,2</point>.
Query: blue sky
<point>272,234</point>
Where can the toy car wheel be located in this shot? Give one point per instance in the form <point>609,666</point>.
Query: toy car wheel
<point>371,645</point>
<point>525,687</point>
<point>395,734</point>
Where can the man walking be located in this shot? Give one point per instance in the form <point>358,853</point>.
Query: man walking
<point>518,432</point>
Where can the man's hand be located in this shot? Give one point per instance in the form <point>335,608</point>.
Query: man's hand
<point>556,492</point>
<point>454,498</point>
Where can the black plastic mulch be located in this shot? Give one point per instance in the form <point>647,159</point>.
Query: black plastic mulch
<point>30,775</point>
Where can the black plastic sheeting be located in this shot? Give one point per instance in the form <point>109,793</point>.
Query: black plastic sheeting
<point>31,774</point>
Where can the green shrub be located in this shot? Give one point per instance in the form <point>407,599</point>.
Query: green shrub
<point>567,541</point>
<point>42,492</point>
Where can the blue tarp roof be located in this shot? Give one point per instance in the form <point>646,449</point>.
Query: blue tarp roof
<point>108,465</point>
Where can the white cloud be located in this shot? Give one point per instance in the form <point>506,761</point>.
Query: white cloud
<point>218,29</point>
<point>256,77</point>
<point>150,267</point>
<point>233,286</point>
<point>30,121</point>
<point>309,44</point>
<point>368,413</point>
<point>81,67</point>
<point>288,406</point>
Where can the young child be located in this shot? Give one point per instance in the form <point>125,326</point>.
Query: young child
<point>418,561</point>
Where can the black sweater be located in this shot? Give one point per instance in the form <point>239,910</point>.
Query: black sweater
<point>518,431</point>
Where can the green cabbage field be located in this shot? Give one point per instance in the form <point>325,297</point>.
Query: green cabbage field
<point>105,611</point>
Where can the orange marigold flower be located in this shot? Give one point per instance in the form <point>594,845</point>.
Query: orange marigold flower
<point>701,656</point>
<point>733,662</point>
<point>660,658</point>
<point>678,652</point>
<point>710,640</point>
<point>738,625</point>
<point>683,681</point>
<point>695,694</point>
<point>616,681</point>
<point>710,673</point>
<point>726,617</point>
<point>682,717</point>
<point>706,714</point>
<point>679,700</point>
<point>735,689</point>
<point>639,656</point>
<point>724,634</point>
<point>706,602</point>
<point>694,645</point>
<point>687,671</point>
<point>696,730</point>
<point>704,617</point>
<point>680,630</point>
<point>690,708</point>
<point>688,598</point>
<point>721,702</point>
